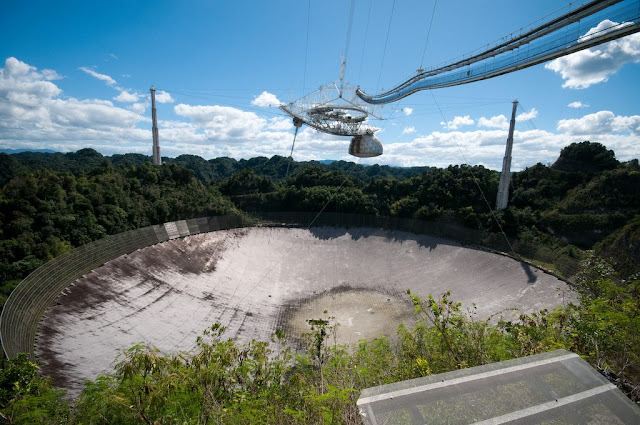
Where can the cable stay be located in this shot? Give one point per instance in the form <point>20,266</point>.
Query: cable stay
<point>336,109</point>
<point>297,123</point>
<point>426,42</point>
<point>607,19</point>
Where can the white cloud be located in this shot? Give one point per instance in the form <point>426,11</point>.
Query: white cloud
<point>280,124</point>
<point>591,66</point>
<point>102,77</point>
<point>598,123</point>
<point>499,121</point>
<point>602,28</point>
<point>407,111</point>
<point>266,99</point>
<point>408,130</point>
<point>630,124</point>
<point>34,115</point>
<point>602,122</point>
<point>127,97</point>
<point>577,105</point>
<point>139,108</point>
<point>163,97</point>
<point>22,85</point>
<point>223,122</point>
<point>457,122</point>
<point>526,116</point>
<point>486,147</point>
<point>15,68</point>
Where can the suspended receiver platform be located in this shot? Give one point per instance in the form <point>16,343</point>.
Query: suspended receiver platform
<point>335,109</point>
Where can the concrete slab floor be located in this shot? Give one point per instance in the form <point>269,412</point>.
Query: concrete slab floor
<point>256,280</point>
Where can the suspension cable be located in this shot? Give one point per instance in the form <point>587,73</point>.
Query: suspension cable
<point>343,66</point>
<point>366,32</point>
<point>334,194</point>
<point>296,121</point>
<point>306,49</point>
<point>292,146</point>
<point>288,250</point>
<point>475,179</point>
<point>384,51</point>
<point>349,27</point>
<point>433,12</point>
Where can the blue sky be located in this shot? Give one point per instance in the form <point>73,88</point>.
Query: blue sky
<point>77,74</point>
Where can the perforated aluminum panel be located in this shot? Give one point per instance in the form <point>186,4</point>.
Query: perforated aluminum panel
<point>557,387</point>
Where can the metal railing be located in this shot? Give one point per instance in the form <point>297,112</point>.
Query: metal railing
<point>577,30</point>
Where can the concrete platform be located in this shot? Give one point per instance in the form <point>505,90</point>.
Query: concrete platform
<point>256,280</point>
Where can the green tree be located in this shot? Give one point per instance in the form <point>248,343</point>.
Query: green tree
<point>586,157</point>
<point>28,398</point>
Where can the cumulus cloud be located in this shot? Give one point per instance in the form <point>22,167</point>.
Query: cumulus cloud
<point>486,147</point>
<point>408,130</point>
<point>140,108</point>
<point>624,124</point>
<point>23,86</point>
<point>598,123</point>
<point>595,65</point>
<point>526,116</point>
<point>280,124</point>
<point>163,97</point>
<point>602,122</point>
<point>577,105</point>
<point>126,97</point>
<point>499,121</point>
<point>34,115</point>
<point>15,69</point>
<point>266,99</point>
<point>223,122</point>
<point>457,122</point>
<point>102,77</point>
<point>407,111</point>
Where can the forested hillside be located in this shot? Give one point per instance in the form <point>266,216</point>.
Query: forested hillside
<point>44,213</point>
<point>207,171</point>
<point>51,202</point>
<point>587,203</point>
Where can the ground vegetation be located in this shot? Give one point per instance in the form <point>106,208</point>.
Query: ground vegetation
<point>222,382</point>
<point>585,205</point>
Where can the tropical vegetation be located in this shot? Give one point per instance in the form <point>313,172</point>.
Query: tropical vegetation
<point>585,204</point>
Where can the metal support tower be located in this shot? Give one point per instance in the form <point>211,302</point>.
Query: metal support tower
<point>157,159</point>
<point>505,177</point>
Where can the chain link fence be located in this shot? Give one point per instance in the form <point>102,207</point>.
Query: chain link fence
<point>27,304</point>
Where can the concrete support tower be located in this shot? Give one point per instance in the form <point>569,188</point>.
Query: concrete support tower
<point>505,176</point>
<point>157,159</point>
